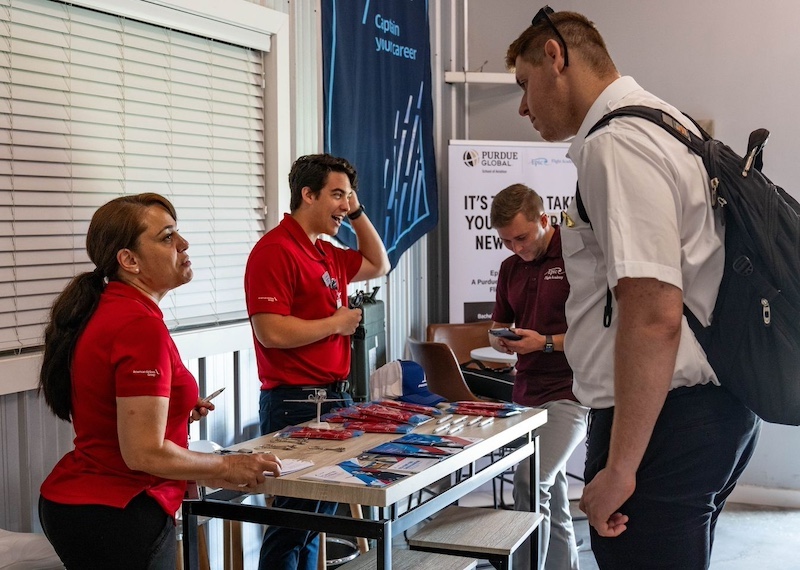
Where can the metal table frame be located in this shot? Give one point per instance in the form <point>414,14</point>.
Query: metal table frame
<point>390,521</point>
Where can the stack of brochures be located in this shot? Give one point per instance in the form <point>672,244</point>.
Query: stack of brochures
<point>393,460</point>
<point>401,464</point>
<point>384,416</point>
<point>486,409</point>
<point>425,445</point>
<point>351,472</point>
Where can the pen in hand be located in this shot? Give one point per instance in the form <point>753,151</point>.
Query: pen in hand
<point>213,395</point>
<point>203,406</point>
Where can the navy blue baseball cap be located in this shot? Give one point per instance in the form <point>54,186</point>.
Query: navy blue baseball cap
<point>415,386</point>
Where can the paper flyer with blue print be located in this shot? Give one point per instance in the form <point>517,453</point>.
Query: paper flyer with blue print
<point>353,473</point>
<point>402,464</point>
<point>405,449</point>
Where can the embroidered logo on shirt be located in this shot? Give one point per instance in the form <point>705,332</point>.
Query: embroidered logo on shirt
<point>270,299</point>
<point>151,373</point>
<point>554,273</point>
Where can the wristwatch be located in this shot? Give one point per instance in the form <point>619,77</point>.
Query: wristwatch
<point>357,213</point>
<point>548,343</point>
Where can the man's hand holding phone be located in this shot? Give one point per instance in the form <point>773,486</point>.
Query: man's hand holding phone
<point>505,333</point>
<point>500,337</point>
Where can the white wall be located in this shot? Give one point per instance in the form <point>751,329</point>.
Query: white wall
<point>734,62</point>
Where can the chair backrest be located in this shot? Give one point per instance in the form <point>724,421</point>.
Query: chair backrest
<point>461,337</point>
<point>441,370</point>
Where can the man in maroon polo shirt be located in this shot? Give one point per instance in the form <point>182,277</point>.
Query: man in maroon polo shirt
<point>532,290</point>
<point>296,293</point>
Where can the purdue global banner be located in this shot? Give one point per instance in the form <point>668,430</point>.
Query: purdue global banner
<point>478,170</point>
<point>379,114</point>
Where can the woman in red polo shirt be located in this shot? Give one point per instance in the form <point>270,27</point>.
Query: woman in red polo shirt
<point>111,368</point>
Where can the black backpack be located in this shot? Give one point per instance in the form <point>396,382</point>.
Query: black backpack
<point>753,342</point>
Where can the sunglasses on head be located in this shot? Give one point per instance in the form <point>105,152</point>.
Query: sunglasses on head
<point>543,15</point>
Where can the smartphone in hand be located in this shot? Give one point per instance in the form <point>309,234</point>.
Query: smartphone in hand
<point>505,333</point>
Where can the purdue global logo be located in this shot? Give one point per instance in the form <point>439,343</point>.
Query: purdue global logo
<point>471,158</point>
<point>503,158</point>
<point>491,161</point>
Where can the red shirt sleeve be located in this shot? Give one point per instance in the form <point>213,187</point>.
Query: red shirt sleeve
<point>270,281</point>
<point>141,359</point>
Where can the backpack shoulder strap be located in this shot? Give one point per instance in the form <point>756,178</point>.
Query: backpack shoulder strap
<point>660,118</point>
<point>579,204</point>
<point>677,130</point>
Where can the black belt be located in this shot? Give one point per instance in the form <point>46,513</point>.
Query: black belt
<point>338,386</point>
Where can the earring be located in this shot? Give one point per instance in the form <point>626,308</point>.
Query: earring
<point>137,270</point>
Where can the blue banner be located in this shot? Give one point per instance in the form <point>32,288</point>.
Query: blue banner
<point>379,113</point>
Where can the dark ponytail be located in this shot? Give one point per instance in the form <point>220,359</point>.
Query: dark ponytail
<point>71,311</point>
<point>115,226</point>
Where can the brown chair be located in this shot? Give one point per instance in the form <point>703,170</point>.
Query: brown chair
<point>441,370</point>
<point>445,378</point>
<point>462,338</point>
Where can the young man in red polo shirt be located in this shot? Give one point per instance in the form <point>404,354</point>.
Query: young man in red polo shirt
<point>532,290</point>
<point>296,291</point>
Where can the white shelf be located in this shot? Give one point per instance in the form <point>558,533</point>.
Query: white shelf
<point>507,78</point>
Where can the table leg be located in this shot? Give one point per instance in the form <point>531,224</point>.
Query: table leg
<point>322,556</point>
<point>202,546</point>
<point>384,547</point>
<point>179,557</point>
<point>190,540</point>
<point>536,545</point>
<point>233,545</point>
<point>357,513</point>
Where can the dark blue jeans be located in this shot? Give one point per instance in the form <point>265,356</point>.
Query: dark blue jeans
<point>701,443</point>
<point>286,548</point>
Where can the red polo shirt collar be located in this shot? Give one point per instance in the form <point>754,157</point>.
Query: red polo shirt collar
<point>120,289</point>
<point>299,235</point>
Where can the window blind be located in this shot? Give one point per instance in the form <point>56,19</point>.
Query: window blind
<point>93,106</point>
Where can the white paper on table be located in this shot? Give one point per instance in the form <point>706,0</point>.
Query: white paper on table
<point>333,474</point>
<point>291,465</point>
